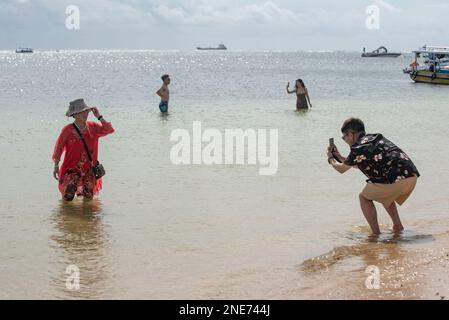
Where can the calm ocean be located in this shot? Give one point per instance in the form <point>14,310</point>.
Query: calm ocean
<point>160,230</point>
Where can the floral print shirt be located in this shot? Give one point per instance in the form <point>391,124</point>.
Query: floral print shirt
<point>380,160</point>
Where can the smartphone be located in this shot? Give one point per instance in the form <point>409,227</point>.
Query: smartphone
<point>332,145</point>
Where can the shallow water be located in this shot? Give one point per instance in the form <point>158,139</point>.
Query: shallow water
<point>160,230</point>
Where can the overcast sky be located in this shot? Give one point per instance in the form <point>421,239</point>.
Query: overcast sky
<point>404,25</point>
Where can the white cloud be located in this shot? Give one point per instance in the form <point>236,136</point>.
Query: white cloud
<point>172,14</point>
<point>111,11</point>
<point>267,12</point>
<point>270,12</point>
<point>239,23</point>
<point>385,5</point>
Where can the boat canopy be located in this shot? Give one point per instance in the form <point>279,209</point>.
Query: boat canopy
<point>381,49</point>
<point>433,49</point>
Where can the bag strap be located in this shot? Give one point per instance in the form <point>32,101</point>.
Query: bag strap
<point>84,142</point>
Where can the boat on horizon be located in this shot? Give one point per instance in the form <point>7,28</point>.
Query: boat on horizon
<point>431,65</point>
<point>221,46</point>
<point>380,52</point>
<point>24,50</point>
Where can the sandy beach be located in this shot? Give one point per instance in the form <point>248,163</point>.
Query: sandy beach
<point>409,268</point>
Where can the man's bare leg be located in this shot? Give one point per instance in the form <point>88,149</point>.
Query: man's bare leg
<point>393,212</point>
<point>370,213</point>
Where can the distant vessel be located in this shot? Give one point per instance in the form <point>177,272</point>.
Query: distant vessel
<point>431,65</point>
<point>220,47</point>
<point>24,50</point>
<point>380,52</point>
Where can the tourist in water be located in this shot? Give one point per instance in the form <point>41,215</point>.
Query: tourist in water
<point>78,175</point>
<point>164,93</point>
<point>392,176</point>
<point>302,95</point>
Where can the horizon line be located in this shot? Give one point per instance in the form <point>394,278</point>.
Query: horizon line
<point>193,50</point>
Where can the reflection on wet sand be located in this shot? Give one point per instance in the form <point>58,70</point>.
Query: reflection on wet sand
<point>79,239</point>
<point>366,247</point>
<point>390,252</point>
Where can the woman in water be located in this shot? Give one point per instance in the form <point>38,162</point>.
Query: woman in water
<point>303,99</point>
<point>75,175</point>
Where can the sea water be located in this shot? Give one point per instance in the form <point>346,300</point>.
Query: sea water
<point>160,230</point>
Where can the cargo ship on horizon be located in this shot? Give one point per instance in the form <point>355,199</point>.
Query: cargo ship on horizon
<point>221,46</point>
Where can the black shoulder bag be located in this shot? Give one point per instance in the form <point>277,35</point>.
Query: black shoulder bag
<point>97,169</point>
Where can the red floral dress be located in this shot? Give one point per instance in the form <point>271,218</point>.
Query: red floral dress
<point>75,174</point>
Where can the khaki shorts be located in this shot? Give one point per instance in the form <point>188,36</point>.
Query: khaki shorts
<point>389,193</point>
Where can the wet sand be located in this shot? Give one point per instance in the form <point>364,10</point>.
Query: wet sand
<point>411,265</point>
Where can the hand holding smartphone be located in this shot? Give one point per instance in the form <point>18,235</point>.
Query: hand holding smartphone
<point>332,143</point>
<point>333,149</point>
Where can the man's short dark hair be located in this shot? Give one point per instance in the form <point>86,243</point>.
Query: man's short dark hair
<point>165,76</point>
<point>353,124</point>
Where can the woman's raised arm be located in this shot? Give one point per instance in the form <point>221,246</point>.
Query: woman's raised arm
<point>288,89</point>
<point>105,127</point>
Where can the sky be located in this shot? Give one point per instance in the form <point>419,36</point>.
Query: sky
<point>288,25</point>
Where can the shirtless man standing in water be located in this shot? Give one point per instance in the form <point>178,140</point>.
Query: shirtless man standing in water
<point>164,93</point>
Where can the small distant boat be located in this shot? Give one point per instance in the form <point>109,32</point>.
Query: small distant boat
<point>24,50</point>
<point>220,47</point>
<point>431,65</point>
<point>380,52</point>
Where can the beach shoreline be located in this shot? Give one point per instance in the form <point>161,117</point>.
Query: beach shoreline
<point>412,266</point>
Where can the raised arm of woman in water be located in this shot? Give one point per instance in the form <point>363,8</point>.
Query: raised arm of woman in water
<point>103,128</point>
<point>288,87</point>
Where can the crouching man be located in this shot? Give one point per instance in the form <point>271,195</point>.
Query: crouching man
<point>392,176</point>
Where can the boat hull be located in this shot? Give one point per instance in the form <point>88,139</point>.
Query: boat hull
<point>211,49</point>
<point>381,55</point>
<point>430,77</point>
